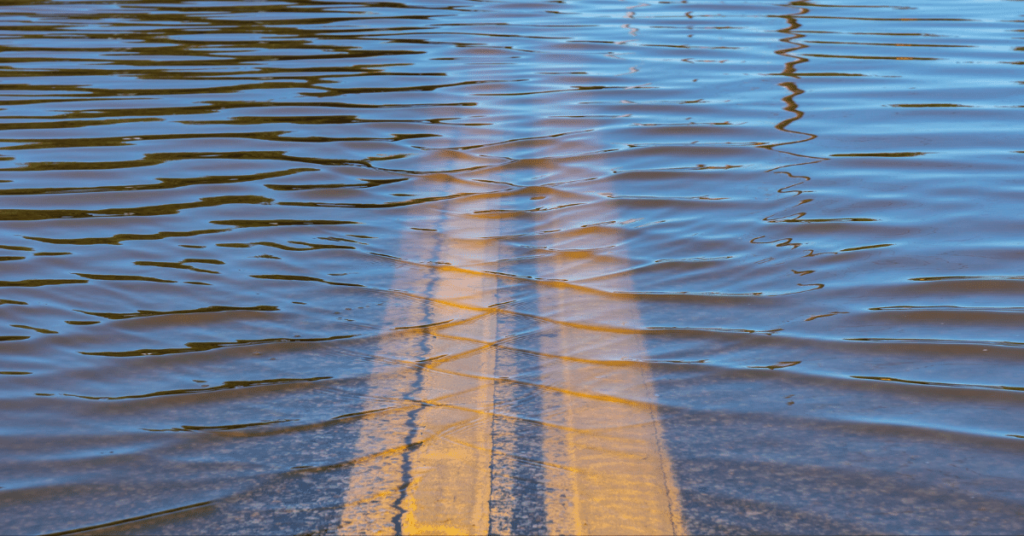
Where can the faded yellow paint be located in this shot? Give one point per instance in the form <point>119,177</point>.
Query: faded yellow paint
<point>609,472</point>
<point>621,479</point>
<point>439,481</point>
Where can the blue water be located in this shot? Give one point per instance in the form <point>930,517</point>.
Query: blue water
<point>253,254</point>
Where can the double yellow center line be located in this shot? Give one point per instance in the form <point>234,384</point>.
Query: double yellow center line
<point>431,465</point>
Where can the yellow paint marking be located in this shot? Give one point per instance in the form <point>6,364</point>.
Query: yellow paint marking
<point>623,481</point>
<point>441,484</point>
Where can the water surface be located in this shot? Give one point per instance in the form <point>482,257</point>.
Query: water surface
<point>322,267</point>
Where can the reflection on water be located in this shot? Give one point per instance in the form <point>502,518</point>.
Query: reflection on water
<point>557,267</point>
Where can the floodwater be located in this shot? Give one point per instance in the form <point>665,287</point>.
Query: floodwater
<point>460,266</point>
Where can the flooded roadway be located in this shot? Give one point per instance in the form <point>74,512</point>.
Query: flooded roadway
<point>301,267</point>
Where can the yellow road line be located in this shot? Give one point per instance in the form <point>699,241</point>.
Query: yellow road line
<point>619,478</point>
<point>440,483</point>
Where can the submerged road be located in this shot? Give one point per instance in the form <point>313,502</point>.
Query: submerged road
<point>319,267</point>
